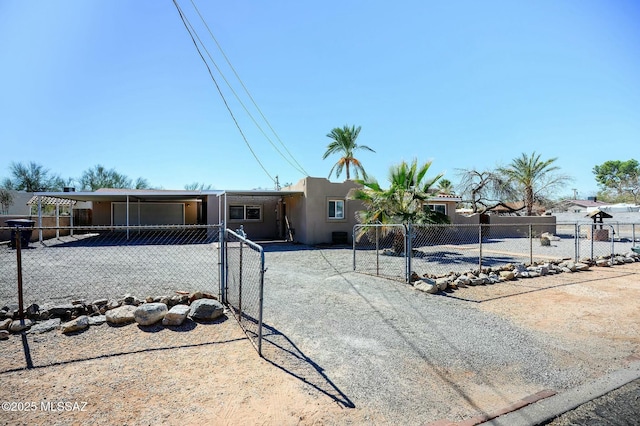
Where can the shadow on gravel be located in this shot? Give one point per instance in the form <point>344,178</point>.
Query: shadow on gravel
<point>415,348</point>
<point>30,365</point>
<point>281,352</point>
<point>523,286</point>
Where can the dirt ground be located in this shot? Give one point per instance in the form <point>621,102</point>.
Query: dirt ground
<point>211,374</point>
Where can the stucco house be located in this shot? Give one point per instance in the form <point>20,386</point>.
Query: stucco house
<point>312,211</point>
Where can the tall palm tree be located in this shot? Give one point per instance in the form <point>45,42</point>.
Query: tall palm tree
<point>343,142</point>
<point>445,187</point>
<point>404,202</point>
<point>533,176</point>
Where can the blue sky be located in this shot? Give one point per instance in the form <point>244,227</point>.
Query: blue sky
<point>465,84</point>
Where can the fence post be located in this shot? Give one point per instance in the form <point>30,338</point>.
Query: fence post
<point>576,240</point>
<point>240,280</point>
<point>633,233</point>
<point>222,262</point>
<point>407,252</point>
<point>480,247</point>
<point>593,231</point>
<point>262,271</point>
<point>353,243</point>
<point>377,251</point>
<point>530,244</point>
<point>612,244</point>
<point>18,244</point>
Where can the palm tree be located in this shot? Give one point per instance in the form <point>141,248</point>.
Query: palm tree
<point>343,142</point>
<point>404,202</point>
<point>533,176</point>
<point>445,187</point>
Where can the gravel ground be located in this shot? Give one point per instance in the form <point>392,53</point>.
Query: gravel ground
<point>384,343</point>
<point>402,356</point>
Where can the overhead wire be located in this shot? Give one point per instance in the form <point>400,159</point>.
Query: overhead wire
<point>184,22</point>
<point>299,166</point>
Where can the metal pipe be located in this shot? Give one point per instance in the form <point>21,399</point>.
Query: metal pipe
<point>57,219</point>
<point>39,218</point>
<point>480,247</point>
<point>530,244</point>
<point>262,271</point>
<point>18,244</point>
<point>377,251</point>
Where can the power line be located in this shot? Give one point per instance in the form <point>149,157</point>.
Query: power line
<point>238,98</point>
<point>299,168</point>
<point>184,22</point>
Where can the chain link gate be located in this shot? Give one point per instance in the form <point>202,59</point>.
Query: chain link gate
<point>243,278</point>
<point>595,240</point>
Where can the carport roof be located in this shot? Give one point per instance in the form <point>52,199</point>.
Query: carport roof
<point>155,194</point>
<point>133,194</point>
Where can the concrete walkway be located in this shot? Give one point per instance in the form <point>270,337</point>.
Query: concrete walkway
<point>598,394</point>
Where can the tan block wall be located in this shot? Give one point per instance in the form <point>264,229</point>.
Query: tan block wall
<point>47,222</point>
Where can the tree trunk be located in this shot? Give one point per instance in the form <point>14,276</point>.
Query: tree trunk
<point>398,241</point>
<point>528,200</point>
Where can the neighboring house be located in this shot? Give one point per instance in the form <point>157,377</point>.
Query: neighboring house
<point>579,206</point>
<point>18,206</point>
<point>313,211</point>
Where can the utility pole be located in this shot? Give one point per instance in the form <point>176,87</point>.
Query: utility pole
<point>575,193</point>
<point>277,184</point>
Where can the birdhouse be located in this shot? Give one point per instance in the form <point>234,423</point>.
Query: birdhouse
<point>598,234</point>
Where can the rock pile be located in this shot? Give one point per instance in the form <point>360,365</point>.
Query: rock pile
<point>513,271</point>
<point>79,315</point>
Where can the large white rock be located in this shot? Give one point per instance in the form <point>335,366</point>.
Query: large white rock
<point>176,315</point>
<point>43,327</point>
<point>427,285</point>
<point>20,325</point>
<point>150,313</point>
<point>206,309</point>
<point>77,324</point>
<point>121,315</point>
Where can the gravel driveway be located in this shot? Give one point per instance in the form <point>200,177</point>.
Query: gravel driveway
<point>403,354</point>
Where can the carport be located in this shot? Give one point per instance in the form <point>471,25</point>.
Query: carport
<point>131,207</point>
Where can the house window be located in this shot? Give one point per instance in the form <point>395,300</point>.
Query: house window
<point>245,212</point>
<point>440,208</point>
<point>336,209</point>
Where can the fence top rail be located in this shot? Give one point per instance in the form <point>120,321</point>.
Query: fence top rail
<point>114,227</point>
<point>497,225</point>
<point>250,243</point>
<point>377,225</point>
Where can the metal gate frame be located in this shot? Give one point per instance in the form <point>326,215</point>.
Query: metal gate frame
<point>242,283</point>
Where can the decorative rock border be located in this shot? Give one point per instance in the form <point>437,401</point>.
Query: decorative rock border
<point>433,284</point>
<point>79,315</point>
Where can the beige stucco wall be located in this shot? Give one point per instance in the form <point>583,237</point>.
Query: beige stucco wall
<point>460,219</point>
<point>518,226</point>
<point>310,215</point>
<point>47,222</point>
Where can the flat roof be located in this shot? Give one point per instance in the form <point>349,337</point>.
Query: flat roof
<point>155,194</point>
<point>135,194</point>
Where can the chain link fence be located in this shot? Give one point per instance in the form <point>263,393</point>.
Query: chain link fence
<point>395,251</point>
<point>244,277</point>
<point>379,250</point>
<point>109,262</point>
